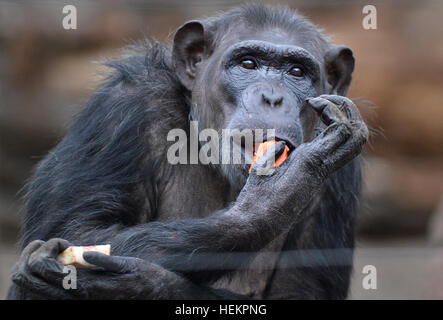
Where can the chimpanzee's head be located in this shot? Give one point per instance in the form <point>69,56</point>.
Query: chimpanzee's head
<point>253,68</point>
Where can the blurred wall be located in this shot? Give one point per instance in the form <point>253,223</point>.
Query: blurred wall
<point>47,74</point>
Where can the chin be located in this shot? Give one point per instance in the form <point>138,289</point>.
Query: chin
<point>236,174</point>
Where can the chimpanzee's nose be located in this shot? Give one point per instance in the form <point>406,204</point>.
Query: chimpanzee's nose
<point>271,99</point>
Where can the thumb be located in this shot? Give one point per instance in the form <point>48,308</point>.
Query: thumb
<point>115,264</point>
<point>263,166</point>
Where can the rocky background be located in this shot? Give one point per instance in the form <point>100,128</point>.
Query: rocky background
<point>47,74</point>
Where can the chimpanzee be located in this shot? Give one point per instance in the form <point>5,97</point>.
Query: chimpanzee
<point>205,231</point>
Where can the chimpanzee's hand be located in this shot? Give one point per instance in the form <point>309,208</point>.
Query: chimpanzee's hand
<point>308,166</point>
<point>343,138</point>
<point>36,264</point>
<point>115,278</point>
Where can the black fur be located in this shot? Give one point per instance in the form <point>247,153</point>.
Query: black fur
<point>108,181</point>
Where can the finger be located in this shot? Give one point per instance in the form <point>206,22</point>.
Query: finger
<point>109,263</point>
<point>341,156</point>
<point>22,265</point>
<point>333,137</point>
<point>47,268</point>
<point>263,166</point>
<point>328,111</point>
<point>273,152</point>
<point>346,105</point>
<point>39,286</point>
<point>43,263</point>
<point>31,247</point>
<point>338,100</point>
<point>51,249</point>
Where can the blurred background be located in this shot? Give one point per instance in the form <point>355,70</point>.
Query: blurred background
<point>47,74</point>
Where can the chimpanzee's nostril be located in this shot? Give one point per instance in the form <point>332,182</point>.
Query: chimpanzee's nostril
<point>273,101</point>
<point>266,99</point>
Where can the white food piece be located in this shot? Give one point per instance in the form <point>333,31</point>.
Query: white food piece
<point>74,255</point>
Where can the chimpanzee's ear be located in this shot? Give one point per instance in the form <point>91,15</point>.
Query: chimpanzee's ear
<point>189,49</point>
<point>339,63</point>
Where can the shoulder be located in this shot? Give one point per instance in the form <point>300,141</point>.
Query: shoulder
<point>140,91</point>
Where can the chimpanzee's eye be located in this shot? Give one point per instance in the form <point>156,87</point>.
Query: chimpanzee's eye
<point>296,72</point>
<point>248,64</point>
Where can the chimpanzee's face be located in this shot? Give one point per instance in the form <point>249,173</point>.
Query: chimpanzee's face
<point>257,80</point>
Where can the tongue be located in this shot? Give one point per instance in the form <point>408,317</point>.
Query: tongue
<point>262,148</point>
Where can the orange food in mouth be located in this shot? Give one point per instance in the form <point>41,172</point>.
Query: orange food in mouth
<point>262,148</point>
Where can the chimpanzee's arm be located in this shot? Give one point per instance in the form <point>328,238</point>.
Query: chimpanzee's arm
<point>194,247</point>
<point>316,259</point>
<point>206,248</point>
<point>38,275</point>
<point>200,248</point>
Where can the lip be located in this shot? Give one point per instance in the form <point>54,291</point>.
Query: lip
<point>249,154</point>
<point>288,142</point>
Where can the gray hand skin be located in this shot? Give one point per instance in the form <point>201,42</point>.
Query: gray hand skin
<point>40,272</point>
<point>247,226</point>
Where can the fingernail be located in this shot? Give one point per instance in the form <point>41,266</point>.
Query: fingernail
<point>313,100</point>
<point>318,103</point>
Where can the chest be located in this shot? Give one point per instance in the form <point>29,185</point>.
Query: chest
<point>193,194</point>
<point>193,191</point>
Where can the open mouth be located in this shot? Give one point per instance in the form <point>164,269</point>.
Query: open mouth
<point>249,150</point>
<point>288,143</point>
<point>286,140</point>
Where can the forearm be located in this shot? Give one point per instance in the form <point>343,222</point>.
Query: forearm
<point>224,241</point>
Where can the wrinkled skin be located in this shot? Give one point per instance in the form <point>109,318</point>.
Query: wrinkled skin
<point>38,262</point>
<point>169,259</point>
